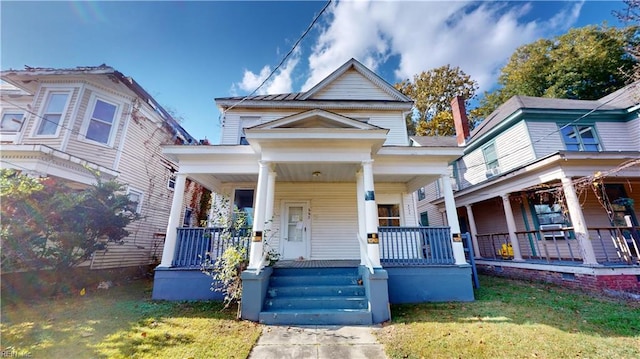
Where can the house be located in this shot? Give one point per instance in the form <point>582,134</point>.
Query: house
<point>69,123</point>
<point>548,189</point>
<point>326,179</point>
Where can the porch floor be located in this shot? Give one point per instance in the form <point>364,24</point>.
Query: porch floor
<point>341,263</point>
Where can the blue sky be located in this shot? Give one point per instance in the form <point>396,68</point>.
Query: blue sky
<point>187,53</point>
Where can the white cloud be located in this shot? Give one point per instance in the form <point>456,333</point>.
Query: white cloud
<point>279,82</point>
<point>478,37</point>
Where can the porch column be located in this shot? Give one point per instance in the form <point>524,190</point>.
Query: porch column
<point>511,227</point>
<point>268,211</point>
<point>452,219</point>
<point>474,231</point>
<point>171,235</point>
<point>578,222</point>
<point>362,228</point>
<point>257,245</point>
<point>371,214</point>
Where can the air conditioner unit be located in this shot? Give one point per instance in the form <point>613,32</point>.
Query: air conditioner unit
<point>491,172</point>
<point>551,235</point>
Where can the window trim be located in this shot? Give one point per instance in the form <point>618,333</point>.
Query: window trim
<point>246,122</point>
<point>11,111</point>
<point>491,168</point>
<point>581,148</point>
<point>172,179</point>
<point>140,195</point>
<point>42,112</point>
<point>399,217</point>
<point>93,100</point>
<point>422,194</point>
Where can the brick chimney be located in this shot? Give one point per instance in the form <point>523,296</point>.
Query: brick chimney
<point>460,120</point>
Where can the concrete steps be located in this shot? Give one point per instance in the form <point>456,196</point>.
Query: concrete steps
<point>316,296</point>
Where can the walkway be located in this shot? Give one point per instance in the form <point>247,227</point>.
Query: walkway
<point>321,342</point>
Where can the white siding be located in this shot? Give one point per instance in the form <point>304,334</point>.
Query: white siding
<point>545,137</point>
<point>619,136</point>
<point>352,86</point>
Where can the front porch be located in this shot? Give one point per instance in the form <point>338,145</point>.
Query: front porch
<point>418,265</point>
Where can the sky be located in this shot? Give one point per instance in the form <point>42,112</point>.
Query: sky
<point>186,53</point>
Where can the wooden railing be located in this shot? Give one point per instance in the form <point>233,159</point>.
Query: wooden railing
<point>194,245</point>
<point>611,245</point>
<point>408,246</point>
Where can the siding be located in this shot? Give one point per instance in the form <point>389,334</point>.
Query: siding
<point>352,86</point>
<point>142,169</point>
<point>618,136</point>
<point>489,216</point>
<point>545,137</point>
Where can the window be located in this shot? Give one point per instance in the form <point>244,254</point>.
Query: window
<point>171,184</point>
<point>243,201</point>
<point>247,122</point>
<point>491,160</point>
<point>424,219</point>
<point>186,220</point>
<point>135,197</point>
<point>421,194</point>
<point>11,122</point>
<point>389,215</point>
<point>52,115</point>
<point>580,138</point>
<point>243,138</point>
<point>101,121</point>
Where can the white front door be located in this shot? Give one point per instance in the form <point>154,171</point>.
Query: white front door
<point>295,234</point>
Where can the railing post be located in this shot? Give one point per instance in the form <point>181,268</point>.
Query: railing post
<point>452,219</point>
<point>168,251</point>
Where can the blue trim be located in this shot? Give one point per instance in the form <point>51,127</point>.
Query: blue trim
<point>186,284</point>
<point>369,196</point>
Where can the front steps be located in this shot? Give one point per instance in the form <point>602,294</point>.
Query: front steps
<point>316,296</point>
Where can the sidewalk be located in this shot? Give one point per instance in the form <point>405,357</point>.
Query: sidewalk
<point>322,342</point>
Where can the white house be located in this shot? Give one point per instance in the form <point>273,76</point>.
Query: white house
<point>327,177</point>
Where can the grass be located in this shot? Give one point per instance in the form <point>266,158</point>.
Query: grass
<point>513,319</point>
<point>123,322</point>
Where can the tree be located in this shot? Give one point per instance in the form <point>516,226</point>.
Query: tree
<point>631,16</point>
<point>585,63</point>
<point>46,224</point>
<point>433,92</point>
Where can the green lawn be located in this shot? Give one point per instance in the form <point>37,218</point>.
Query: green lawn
<point>509,319</point>
<point>123,322</point>
<point>513,319</point>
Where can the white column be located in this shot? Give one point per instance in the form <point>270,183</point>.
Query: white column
<point>511,227</point>
<point>257,246</point>
<point>578,222</point>
<point>171,234</point>
<point>268,211</point>
<point>371,214</point>
<point>362,229</point>
<point>452,219</point>
<point>474,231</point>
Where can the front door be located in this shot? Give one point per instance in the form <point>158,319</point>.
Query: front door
<point>295,234</point>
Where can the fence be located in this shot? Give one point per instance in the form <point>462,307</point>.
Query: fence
<point>415,246</point>
<point>195,245</point>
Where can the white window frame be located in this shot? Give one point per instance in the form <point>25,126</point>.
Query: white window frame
<point>42,112</point>
<point>140,195</point>
<point>170,181</point>
<point>421,194</point>
<point>93,100</point>
<point>580,141</point>
<point>11,111</point>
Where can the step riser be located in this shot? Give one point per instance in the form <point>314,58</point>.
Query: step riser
<point>315,271</point>
<point>337,318</point>
<point>281,281</point>
<point>315,303</point>
<point>316,291</point>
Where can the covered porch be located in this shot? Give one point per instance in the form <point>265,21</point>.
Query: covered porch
<point>578,227</point>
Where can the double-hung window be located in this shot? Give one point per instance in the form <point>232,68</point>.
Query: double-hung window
<point>101,121</point>
<point>389,215</point>
<point>491,160</point>
<point>11,122</point>
<point>580,138</point>
<point>421,194</point>
<point>51,117</point>
<point>135,198</point>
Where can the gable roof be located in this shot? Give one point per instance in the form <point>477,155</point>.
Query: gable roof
<point>311,98</point>
<point>22,80</point>
<point>622,99</point>
<point>316,118</point>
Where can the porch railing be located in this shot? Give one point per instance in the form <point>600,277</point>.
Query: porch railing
<point>195,245</point>
<point>612,245</point>
<point>409,246</point>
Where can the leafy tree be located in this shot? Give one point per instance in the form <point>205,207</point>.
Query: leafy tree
<point>584,63</point>
<point>46,224</point>
<point>433,92</point>
<point>631,16</point>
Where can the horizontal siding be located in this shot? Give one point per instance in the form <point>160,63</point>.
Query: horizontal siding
<point>633,128</point>
<point>352,86</point>
<point>618,136</point>
<point>545,137</point>
<point>489,216</point>
<point>513,147</point>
